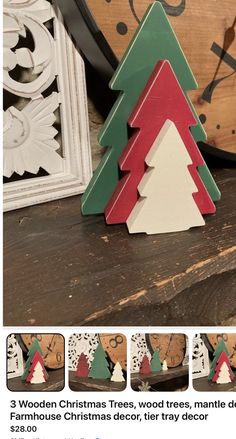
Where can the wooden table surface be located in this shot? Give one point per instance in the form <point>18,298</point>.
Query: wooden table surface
<point>55,383</point>
<point>91,385</point>
<point>64,269</point>
<point>172,374</point>
<point>203,385</point>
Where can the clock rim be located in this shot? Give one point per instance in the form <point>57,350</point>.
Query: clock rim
<point>108,59</point>
<point>171,333</point>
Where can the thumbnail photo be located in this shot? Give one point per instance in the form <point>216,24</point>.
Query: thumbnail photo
<point>159,362</point>
<point>97,362</point>
<point>35,362</point>
<point>214,362</point>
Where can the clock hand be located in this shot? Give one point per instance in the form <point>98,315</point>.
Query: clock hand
<point>229,60</point>
<point>49,348</point>
<point>174,11</point>
<point>228,40</point>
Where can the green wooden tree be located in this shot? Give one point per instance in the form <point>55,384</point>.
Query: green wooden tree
<point>100,368</point>
<point>156,362</point>
<point>154,40</point>
<point>34,348</point>
<point>218,350</point>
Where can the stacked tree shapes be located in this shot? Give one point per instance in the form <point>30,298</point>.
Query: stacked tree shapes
<point>99,369</point>
<point>166,202</point>
<point>221,372</point>
<point>147,367</point>
<point>153,41</point>
<point>35,371</point>
<point>161,92</point>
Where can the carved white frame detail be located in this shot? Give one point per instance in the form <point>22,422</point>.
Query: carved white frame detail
<point>200,358</point>
<point>69,174</point>
<point>15,366</point>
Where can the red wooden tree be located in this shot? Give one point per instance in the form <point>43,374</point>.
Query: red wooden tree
<point>223,371</point>
<point>145,368</point>
<point>82,366</point>
<point>161,99</point>
<point>37,371</point>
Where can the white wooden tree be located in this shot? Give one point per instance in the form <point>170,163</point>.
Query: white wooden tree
<point>117,374</point>
<point>224,374</point>
<point>166,202</point>
<point>38,374</point>
<point>164,365</point>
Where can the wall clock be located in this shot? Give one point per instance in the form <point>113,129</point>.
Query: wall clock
<point>52,346</point>
<point>116,348</point>
<point>210,48</point>
<point>172,347</point>
<point>211,341</point>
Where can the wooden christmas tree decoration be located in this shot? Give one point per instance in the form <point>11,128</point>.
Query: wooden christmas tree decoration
<point>166,203</point>
<point>145,368</point>
<point>37,372</point>
<point>117,375</point>
<point>161,99</point>
<point>154,40</point>
<point>223,373</point>
<point>164,366</point>
<point>34,348</point>
<point>156,362</point>
<point>82,369</point>
<point>221,347</point>
<point>99,367</point>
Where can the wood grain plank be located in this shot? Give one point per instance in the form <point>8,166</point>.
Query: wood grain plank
<point>55,383</point>
<point>159,377</point>
<point>203,385</point>
<point>64,269</point>
<point>91,385</point>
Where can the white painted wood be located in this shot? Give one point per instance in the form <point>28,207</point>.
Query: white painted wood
<point>69,167</point>
<point>42,59</point>
<point>15,365</point>
<point>200,358</point>
<point>81,343</point>
<point>38,375</point>
<point>166,203</point>
<point>139,348</point>
<point>224,375</point>
<point>117,375</point>
<point>29,138</point>
<point>164,366</point>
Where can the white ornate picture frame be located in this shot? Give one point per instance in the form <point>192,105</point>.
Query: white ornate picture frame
<point>15,365</point>
<point>29,142</point>
<point>139,348</point>
<point>81,343</point>
<point>200,358</point>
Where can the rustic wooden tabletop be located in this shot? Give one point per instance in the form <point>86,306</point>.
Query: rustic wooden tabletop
<point>64,269</point>
<point>203,385</point>
<point>55,383</point>
<point>92,385</point>
<point>169,378</point>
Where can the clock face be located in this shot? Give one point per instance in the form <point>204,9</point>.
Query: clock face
<point>116,347</point>
<point>171,347</point>
<point>210,48</point>
<point>52,346</point>
<point>230,341</point>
